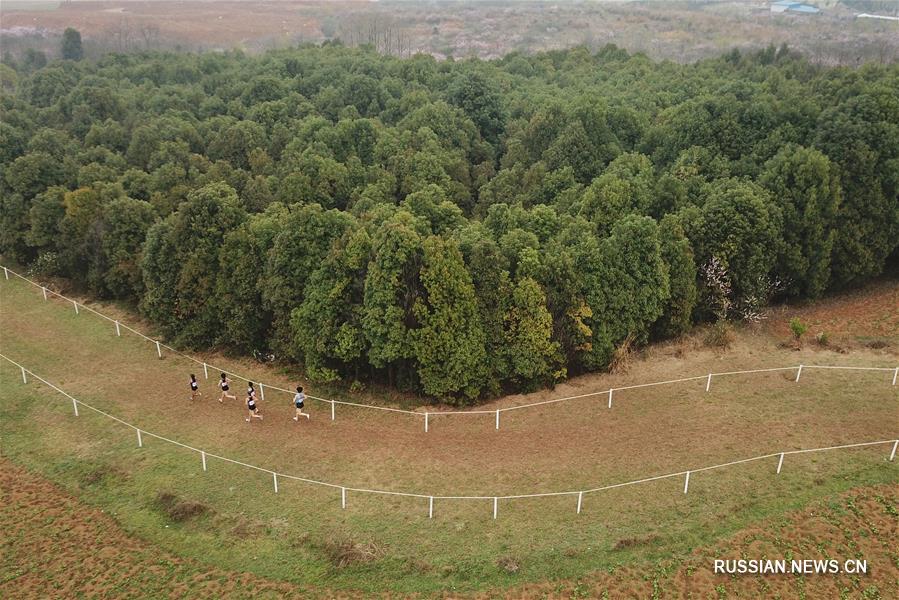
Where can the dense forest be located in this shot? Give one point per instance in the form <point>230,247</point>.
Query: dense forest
<point>455,228</point>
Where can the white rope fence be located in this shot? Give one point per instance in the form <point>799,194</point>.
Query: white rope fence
<point>579,494</point>
<point>707,378</point>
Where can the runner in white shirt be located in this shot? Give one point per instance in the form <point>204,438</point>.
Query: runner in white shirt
<point>298,401</point>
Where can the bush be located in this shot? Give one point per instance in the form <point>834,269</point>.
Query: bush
<point>719,335</point>
<point>798,328</point>
<point>822,339</point>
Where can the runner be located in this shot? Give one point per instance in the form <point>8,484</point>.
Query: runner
<point>251,405</point>
<point>298,402</point>
<point>251,391</point>
<point>194,387</point>
<point>225,384</point>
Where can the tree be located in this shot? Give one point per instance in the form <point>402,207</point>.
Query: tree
<point>677,253</point>
<point>327,326</point>
<point>742,228</point>
<point>298,248</point>
<point>449,341</point>
<point>71,45</point>
<point>391,288</point>
<point>631,257</point>
<point>181,256</point>
<point>125,222</point>
<point>805,185</point>
<point>481,100</point>
<point>245,318</point>
<point>533,356</point>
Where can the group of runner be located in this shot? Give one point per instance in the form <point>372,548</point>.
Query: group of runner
<point>252,409</point>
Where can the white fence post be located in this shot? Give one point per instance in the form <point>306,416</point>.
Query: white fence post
<point>45,292</point>
<point>798,373</point>
<point>140,442</point>
<point>332,410</point>
<point>75,406</point>
<point>205,371</point>
<point>118,331</point>
<point>687,482</point>
<point>275,478</point>
<point>431,507</point>
<point>426,422</point>
<point>497,419</point>
<point>75,304</point>
<point>893,453</point>
<point>610,397</point>
<point>580,498</point>
<point>261,392</point>
<point>24,379</point>
<point>708,384</point>
<point>203,458</point>
<point>343,497</point>
<point>5,273</point>
<point>158,350</point>
<point>895,375</point>
<point>780,463</point>
<point>495,506</point>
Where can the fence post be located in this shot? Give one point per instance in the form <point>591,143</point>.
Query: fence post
<point>426,422</point>
<point>118,331</point>
<point>780,463</point>
<point>342,497</point>
<point>275,477</point>
<point>24,379</point>
<point>261,392</point>
<point>431,507</point>
<point>5,273</point>
<point>332,410</point>
<point>495,506</point>
<point>687,482</point>
<point>610,397</point>
<point>708,384</point>
<point>140,442</point>
<point>45,292</point>
<point>580,498</point>
<point>798,373</point>
<point>75,406</point>
<point>893,453</point>
<point>158,350</point>
<point>205,371</point>
<point>497,419</point>
<point>895,375</point>
<point>203,458</point>
<point>75,304</point>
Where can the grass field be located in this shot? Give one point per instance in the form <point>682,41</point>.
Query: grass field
<point>229,518</point>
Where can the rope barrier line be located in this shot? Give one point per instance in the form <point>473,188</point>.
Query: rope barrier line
<point>426,415</point>
<point>430,497</point>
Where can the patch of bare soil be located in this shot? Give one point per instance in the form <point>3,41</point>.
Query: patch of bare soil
<point>861,524</point>
<point>868,315</point>
<point>52,545</point>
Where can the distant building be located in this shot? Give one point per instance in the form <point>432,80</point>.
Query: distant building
<point>782,6</point>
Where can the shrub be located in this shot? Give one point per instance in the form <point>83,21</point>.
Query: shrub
<point>822,339</point>
<point>719,335</point>
<point>798,328</point>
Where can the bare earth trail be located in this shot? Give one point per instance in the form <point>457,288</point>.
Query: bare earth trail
<point>558,447</point>
<point>551,448</point>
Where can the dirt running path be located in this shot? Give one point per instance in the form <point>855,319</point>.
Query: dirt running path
<point>552,448</point>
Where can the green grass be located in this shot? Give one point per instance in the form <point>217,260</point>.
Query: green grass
<point>288,535</point>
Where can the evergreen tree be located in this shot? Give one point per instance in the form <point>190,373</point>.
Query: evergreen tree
<point>533,356</point>
<point>71,45</point>
<point>449,341</point>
